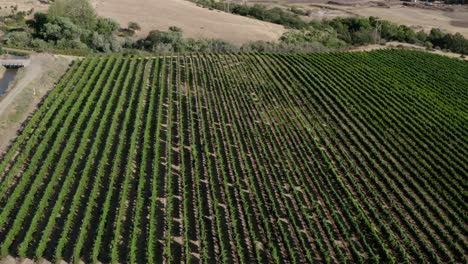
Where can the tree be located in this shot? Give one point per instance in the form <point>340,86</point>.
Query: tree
<point>106,26</point>
<point>326,36</point>
<point>428,45</point>
<point>39,44</point>
<point>364,36</point>
<point>38,22</point>
<point>105,43</point>
<point>79,11</point>
<point>437,38</point>
<point>421,36</point>
<point>406,34</point>
<point>61,28</point>
<point>457,43</point>
<point>389,30</point>
<point>18,38</point>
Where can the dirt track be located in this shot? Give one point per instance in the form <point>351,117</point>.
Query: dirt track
<point>30,85</point>
<point>196,22</point>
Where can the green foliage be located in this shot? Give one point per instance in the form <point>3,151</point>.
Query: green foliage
<point>283,47</point>
<point>364,36</point>
<point>421,36</point>
<point>61,28</point>
<point>73,25</point>
<point>209,45</point>
<point>69,26</point>
<point>105,43</point>
<point>326,36</point>
<point>18,39</point>
<point>80,12</point>
<point>39,44</point>
<point>127,153</point>
<point>38,22</point>
<point>161,40</point>
<point>106,26</point>
<point>363,31</point>
<point>454,42</point>
<point>173,41</point>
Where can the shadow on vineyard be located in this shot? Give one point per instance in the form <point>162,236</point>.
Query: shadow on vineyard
<point>298,158</point>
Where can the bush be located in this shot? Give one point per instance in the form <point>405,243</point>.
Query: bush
<point>217,45</point>
<point>134,26</point>
<point>271,47</point>
<point>105,43</point>
<point>326,36</point>
<point>364,36</point>
<point>18,39</point>
<point>39,44</point>
<point>80,12</point>
<point>71,44</point>
<point>106,26</point>
<point>60,28</point>
<point>167,38</point>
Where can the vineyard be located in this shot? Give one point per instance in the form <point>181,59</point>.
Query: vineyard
<point>242,158</point>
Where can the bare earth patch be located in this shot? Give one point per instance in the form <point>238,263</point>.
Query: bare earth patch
<point>21,5</point>
<point>196,22</point>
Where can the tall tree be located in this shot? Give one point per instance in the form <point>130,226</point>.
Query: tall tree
<point>80,12</point>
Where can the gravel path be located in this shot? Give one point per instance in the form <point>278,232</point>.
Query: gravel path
<point>29,86</point>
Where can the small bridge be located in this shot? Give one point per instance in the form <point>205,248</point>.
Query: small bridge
<point>14,63</point>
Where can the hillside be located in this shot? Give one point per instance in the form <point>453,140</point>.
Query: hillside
<point>340,157</point>
<point>196,22</point>
<point>450,18</point>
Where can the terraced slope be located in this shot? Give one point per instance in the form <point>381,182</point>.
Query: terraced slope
<point>342,157</point>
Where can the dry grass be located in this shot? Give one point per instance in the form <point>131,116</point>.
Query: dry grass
<point>196,22</point>
<point>395,44</point>
<point>417,18</point>
<point>22,5</point>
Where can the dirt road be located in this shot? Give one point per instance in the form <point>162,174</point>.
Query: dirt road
<point>30,85</point>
